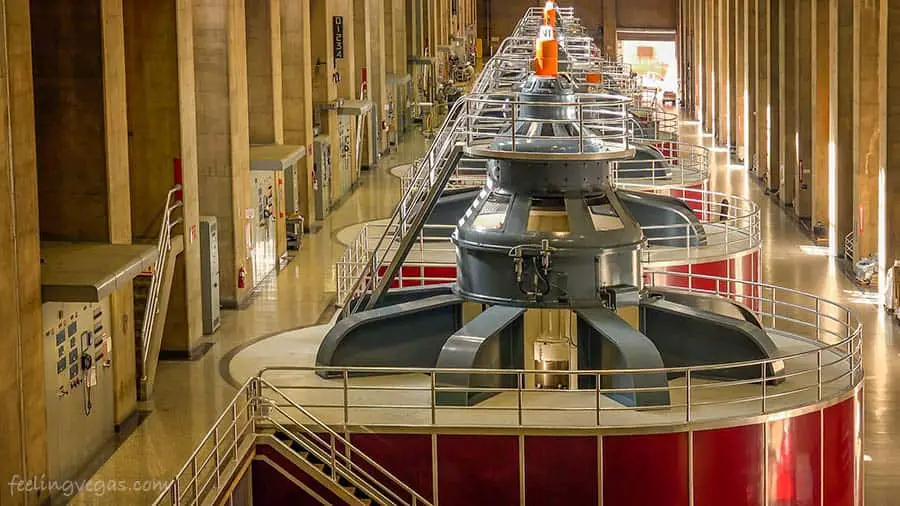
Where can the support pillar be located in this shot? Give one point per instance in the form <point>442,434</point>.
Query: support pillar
<point>297,74</point>
<point>709,67</point>
<point>840,188</point>
<point>787,79</point>
<point>773,176</point>
<point>610,25</point>
<point>890,52</point>
<point>699,61</point>
<point>803,183</point>
<point>223,138</point>
<point>162,127</point>
<point>22,401</point>
<point>739,77</point>
<point>822,41</point>
<point>763,90</point>
<point>264,71</point>
<point>752,114</point>
<point>723,51</point>
<point>867,132</point>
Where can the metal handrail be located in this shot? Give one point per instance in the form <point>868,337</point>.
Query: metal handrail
<point>730,228</point>
<point>164,245</point>
<point>682,164</point>
<point>831,368</point>
<point>341,449</point>
<point>237,429</point>
<point>425,175</point>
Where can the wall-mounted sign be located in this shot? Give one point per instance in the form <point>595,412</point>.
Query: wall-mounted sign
<point>338,24</point>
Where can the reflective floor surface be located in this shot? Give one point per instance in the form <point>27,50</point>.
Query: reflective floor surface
<point>190,395</point>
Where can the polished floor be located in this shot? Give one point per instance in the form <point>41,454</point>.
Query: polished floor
<point>190,395</point>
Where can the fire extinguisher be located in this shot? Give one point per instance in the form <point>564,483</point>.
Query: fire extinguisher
<point>242,277</point>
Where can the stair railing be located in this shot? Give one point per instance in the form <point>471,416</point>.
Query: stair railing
<point>164,245</point>
<point>343,458</point>
<point>425,175</point>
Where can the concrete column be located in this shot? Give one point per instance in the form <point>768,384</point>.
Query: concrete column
<point>223,137</point>
<point>841,123</point>
<point>820,85</point>
<point>118,204</point>
<point>699,62</point>
<point>378,90</point>
<point>787,79</point>
<point>22,404</point>
<point>773,176</point>
<point>890,51</point>
<point>739,77</point>
<point>297,74</point>
<point>723,51</point>
<point>868,109</point>
<point>804,102</point>
<point>752,114</point>
<point>162,126</point>
<point>610,24</point>
<point>709,101</point>
<point>763,88</point>
<point>264,71</point>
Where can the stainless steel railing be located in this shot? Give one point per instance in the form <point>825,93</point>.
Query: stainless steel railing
<point>680,164</point>
<point>730,227</point>
<point>164,246</point>
<point>258,408</point>
<point>824,362</point>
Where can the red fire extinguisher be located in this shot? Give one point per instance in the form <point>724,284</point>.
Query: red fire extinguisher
<point>242,277</point>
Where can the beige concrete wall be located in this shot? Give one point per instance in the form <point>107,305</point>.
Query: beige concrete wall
<point>22,413</point>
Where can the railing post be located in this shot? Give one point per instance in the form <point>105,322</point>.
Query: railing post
<point>194,479</point>
<point>433,398</point>
<point>763,382</point>
<point>520,379</point>
<point>819,372</point>
<point>597,396</point>
<point>687,396</point>
<point>346,380</point>
<point>333,457</point>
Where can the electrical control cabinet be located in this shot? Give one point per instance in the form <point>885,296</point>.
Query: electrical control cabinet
<point>322,175</point>
<point>209,273</point>
<point>348,174</point>
<point>78,382</point>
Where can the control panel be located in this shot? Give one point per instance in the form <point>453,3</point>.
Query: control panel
<point>78,382</point>
<point>80,337</point>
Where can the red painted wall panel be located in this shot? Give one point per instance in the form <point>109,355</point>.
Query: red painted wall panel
<point>646,470</point>
<point>406,456</point>
<point>839,463</point>
<point>560,470</point>
<point>728,466</point>
<point>478,470</point>
<point>793,474</point>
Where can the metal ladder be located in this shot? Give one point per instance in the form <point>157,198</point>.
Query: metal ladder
<point>430,176</point>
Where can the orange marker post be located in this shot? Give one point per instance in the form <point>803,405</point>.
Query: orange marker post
<point>546,53</point>
<point>550,12</point>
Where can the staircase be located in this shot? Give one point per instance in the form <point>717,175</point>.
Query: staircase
<point>429,177</point>
<point>327,456</point>
<point>151,298</point>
